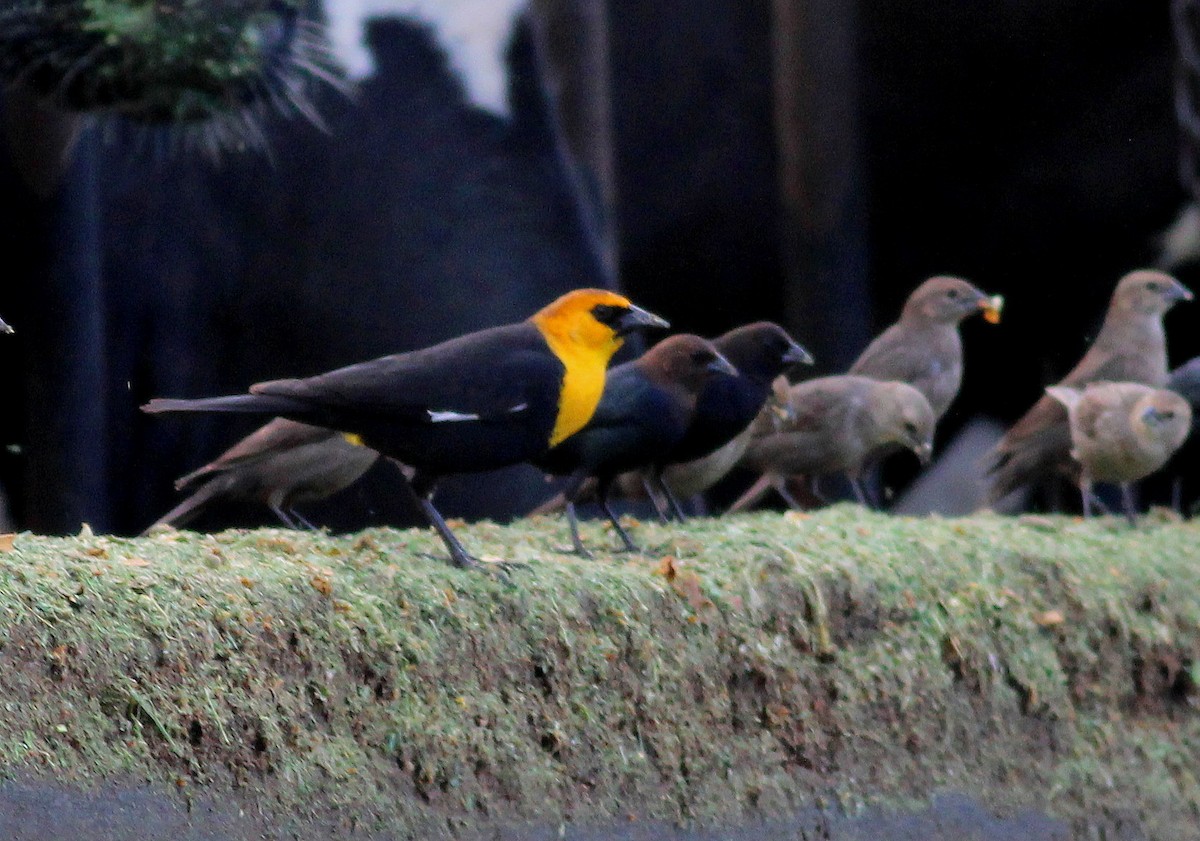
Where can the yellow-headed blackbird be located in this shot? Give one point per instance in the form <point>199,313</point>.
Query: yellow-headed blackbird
<point>1130,347</point>
<point>644,413</point>
<point>835,425</point>
<point>280,465</point>
<point>1122,432</point>
<point>481,401</point>
<point>924,348</point>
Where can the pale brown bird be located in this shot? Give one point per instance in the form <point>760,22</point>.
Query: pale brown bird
<point>281,465</point>
<point>1121,433</point>
<point>1130,347</point>
<point>924,348</point>
<point>836,424</point>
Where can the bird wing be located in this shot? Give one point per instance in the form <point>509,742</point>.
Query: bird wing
<point>894,355</point>
<point>280,435</point>
<point>482,376</point>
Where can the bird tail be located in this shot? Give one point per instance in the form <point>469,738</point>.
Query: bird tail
<point>190,508</point>
<point>753,494</point>
<point>254,404</point>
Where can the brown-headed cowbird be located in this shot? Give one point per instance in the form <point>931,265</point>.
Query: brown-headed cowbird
<point>280,465</point>
<point>836,425</point>
<point>924,348</point>
<point>1122,432</point>
<point>644,413</point>
<point>1130,347</point>
<point>481,401</point>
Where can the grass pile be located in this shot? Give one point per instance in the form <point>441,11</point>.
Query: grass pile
<point>742,667</point>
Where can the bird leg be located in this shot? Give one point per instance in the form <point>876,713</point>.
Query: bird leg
<point>1089,498</point>
<point>602,497</point>
<point>1177,496</point>
<point>421,488</point>
<point>570,492</point>
<point>282,515</point>
<point>782,489</point>
<point>672,500</point>
<point>302,520</point>
<point>814,487</point>
<point>660,504</point>
<point>753,494</point>
<point>576,542</point>
<point>1128,503</point>
<point>860,492</point>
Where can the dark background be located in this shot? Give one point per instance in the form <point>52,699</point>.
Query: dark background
<point>1028,145</point>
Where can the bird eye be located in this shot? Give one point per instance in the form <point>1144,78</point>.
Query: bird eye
<point>606,313</point>
<point>702,357</point>
<point>952,294</point>
<point>1154,286</point>
<point>1167,415</point>
<point>910,428</point>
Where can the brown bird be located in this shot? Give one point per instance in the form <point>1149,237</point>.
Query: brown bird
<point>1130,347</point>
<point>645,411</point>
<point>836,425</point>
<point>719,431</point>
<point>1122,432</point>
<point>924,348</point>
<point>281,464</point>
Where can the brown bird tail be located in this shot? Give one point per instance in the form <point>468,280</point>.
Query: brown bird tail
<point>255,404</point>
<point>753,494</point>
<point>1028,462</point>
<point>190,508</point>
<point>558,502</point>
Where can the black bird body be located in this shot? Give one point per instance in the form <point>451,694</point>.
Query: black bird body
<point>478,402</point>
<point>474,403</point>
<point>280,465</point>
<point>644,413</point>
<point>728,405</point>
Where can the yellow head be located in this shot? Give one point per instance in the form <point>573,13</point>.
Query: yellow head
<point>584,329</point>
<point>593,319</point>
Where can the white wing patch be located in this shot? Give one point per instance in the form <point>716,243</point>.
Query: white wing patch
<point>474,33</point>
<point>450,417</point>
<point>455,417</point>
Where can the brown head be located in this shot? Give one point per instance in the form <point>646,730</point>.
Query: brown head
<point>944,300</point>
<point>1162,419</point>
<point>761,351</point>
<point>903,416</point>
<point>1148,292</point>
<point>686,360</point>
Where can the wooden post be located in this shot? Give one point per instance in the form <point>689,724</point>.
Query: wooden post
<point>572,45</point>
<point>823,234</point>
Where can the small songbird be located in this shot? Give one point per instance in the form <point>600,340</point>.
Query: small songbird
<point>924,348</point>
<point>644,413</point>
<point>1130,347</point>
<point>719,431</point>
<point>836,424</point>
<point>482,401</point>
<point>280,465</point>
<point>1121,433</point>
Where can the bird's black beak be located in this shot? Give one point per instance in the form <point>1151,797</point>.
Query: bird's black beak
<point>636,318</point>
<point>797,355</point>
<point>721,365</point>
